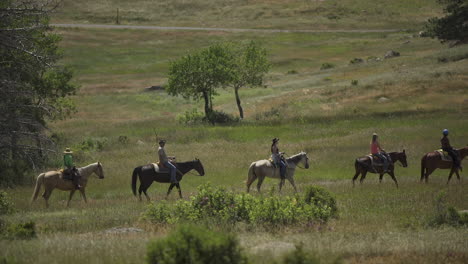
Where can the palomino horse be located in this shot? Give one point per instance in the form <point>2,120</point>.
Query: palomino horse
<point>53,179</point>
<point>433,160</point>
<point>264,168</point>
<point>147,175</point>
<point>364,165</point>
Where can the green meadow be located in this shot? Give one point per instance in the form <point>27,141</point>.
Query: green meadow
<point>329,113</point>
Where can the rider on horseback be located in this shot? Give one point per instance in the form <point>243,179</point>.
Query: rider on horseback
<point>444,141</point>
<point>167,161</point>
<point>278,158</point>
<point>70,168</point>
<point>377,151</point>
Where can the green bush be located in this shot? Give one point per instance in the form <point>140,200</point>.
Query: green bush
<point>6,206</point>
<point>446,215</point>
<point>92,144</point>
<point>326,65</point>
<point>217,205</point>
<point>220,117</point>
<point>354,82</point>
<point>320,197</point>
<point>191,244</point>
<point>190,117</point>
<point>356,61</point>
<point>21,231</point>
<point>299,256</point>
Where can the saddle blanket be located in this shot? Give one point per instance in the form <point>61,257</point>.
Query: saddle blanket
<point>444,155</point>
<point>159,169</point>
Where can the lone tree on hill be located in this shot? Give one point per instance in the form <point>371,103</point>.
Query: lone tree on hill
<point>452,27</point>
<point>250,66</point>
<point>198,75</point>
<point>33,87</point>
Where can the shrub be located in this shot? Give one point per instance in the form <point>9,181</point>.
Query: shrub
<point>299,256</point>
<point>191,244</point>
<point>21,231</point>
<point>446,215</point>
<point>320,197</point>
<point>92,144</point>
<point>6,206</point>
<point>356,61</point>
<point>220,117</point>
<point>220,206</point>
<point>326,65</point>
<point>292,72</point>
<point>354,82</point>
<point>190,117</point>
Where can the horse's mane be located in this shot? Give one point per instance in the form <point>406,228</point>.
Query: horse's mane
<point>296,157</point>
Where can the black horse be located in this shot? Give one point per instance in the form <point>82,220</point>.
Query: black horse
<point>147,175</point>
<point>364,165</point>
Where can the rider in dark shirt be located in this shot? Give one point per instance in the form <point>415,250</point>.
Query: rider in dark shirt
<point>444,141</point>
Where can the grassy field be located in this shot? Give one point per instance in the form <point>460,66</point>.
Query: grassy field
<point>318,111</point>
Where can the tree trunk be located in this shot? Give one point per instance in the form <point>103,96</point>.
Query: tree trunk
<point>206,97</point>
<point>241,111</point>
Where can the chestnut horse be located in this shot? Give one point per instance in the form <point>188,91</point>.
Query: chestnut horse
<point>147,175</point>
<point>364,165</point>
<point>53,179</point>
<point>433,160</point>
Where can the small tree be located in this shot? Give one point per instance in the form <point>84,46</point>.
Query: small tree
<point>198,75</point>
<point>452,27</point>
<point>249,67</point>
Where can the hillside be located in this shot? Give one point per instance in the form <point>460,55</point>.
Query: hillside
<point>329,113</point>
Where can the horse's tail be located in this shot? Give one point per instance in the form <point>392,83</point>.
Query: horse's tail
<point>251,174</point>
<point>39,181</point>
<point>134,179</point>
<point>423,167</point>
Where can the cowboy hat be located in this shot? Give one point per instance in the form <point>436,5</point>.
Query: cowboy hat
<point>67,151</point>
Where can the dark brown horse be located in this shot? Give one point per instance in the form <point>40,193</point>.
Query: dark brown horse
<point>433,160</point>
<point>147,175</point>
<point>364,165</point>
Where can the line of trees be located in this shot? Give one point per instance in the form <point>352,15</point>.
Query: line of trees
<point>222,65</point>
<point>454,26</point>
<point>34,88</point>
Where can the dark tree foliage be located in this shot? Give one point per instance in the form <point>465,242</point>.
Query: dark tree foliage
<point>33,87</point>
<point>452,27</point>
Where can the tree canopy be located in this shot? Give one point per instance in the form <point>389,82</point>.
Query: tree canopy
<point>34,88</point>
<point>452,27</point>
<point>198,75</point>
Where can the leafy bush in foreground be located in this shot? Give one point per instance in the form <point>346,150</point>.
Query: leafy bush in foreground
<point>447,215</point>
<point>21,231</point>
<point>221,206</point>
<point>191,244</point>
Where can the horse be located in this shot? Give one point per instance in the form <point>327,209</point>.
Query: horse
<point>265,168</point>
<point>147,175</point>
<point>432,160</point>
<point>363,165</point>
<point>54,179</point>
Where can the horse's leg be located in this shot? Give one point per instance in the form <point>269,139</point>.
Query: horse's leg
<point>46,195</point>
<point>250,180</point>
<point>363,176</point>
<point>82,191</point>
<point>259,183</point>
<point>70,197</point>
<point>392,174</point>
<point>356,175</point>
<point>180,191</point>
<point>458,175</point>
<point>291,180</point>
<point>381,177</point>
<point>170,189</point>
<point>452,170</point>
<point>281,184</point>
<point>428,172</point>
<point>144,187</point>
<point>140,190</point>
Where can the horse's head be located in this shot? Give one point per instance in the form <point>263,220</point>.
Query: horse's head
<point>402,158</point>
<point>305,159</point>
<point>99,171</point>
<point>199,167</point>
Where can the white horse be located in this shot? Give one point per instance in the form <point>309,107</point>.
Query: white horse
<point>265,168</point>
<point>54,179</point>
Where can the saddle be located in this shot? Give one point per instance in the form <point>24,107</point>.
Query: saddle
<point>160,168</point>
<point>444,155</point>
